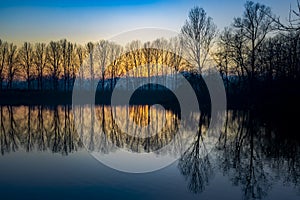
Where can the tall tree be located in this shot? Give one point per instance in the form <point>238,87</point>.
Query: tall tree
<point>81,54</point>
<point>12,66</point>
<point>90,50</point>
<point>64,51</point>
<point>197,34</point>
<point>148,57</point>
<point>176,56</point>
<point>114,60</point>
<point>102,51</point>
<point>3,56</point>
<point>71,63</point>
<point>133,60</point>
<point>26,60</point>
<point>54,55</point>
<point>230,57</point>
<point>156,56</point>
<point>254,25</point>
<point>40,62</point>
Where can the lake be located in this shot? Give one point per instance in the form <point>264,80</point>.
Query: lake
<point>60,151</point>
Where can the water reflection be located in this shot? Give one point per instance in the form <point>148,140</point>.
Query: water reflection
<point>101,132</point>
<point>197,168</point>
<point>255,155</point>
<point>38,128</point>
<point>252,153</point>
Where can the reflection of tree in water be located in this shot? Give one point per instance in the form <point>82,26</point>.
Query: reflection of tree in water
<point>252,153</point>
<point>253,156</point>
<point>106,134</point>
<point>38,128</point>
<point>195,163</point>
<point>64,137</point>
<point>283,152</point>
<point>240,155</point>
<point>52,129</point>
<point>9,140</point>
<point>41,131</point>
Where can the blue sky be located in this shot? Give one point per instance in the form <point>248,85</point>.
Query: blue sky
<point>76,3</point>
<point>82,21</point>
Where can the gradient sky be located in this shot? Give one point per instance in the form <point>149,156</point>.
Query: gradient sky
<point>82,21</point>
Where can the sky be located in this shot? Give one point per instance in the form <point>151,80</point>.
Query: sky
<point>83,21</point>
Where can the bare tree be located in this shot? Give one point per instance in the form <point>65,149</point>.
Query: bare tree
<point>197,34</point>
<point>134,59</point>
<point>71,63</point>
<point>148,57</point>
<point>156,55</point>
<point>176,60</point>
<point>3,56</point>
<point>26,61</point>
<point>81,54</point>
<point>114,59</point>
<point>40,62</point>
<point>64,49</point>
<point>90,49</point>
<point>54,58</point>
<point>230,57</point>
<point>160,55</point>
<point>11,64</point>
<point>222,57</point>
<point>254,25</point>
<point>68,59</point>
<point>102,52</point>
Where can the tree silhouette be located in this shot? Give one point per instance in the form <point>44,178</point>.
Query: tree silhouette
<point>3,57</point>
<point>254,25</point>
<point>26,59</point>
<point>198,33</point>
<point>54,58</point>
<point>12,66</point>
<point>40,62</point>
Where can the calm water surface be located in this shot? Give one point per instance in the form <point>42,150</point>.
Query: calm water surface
<point>45,156</point>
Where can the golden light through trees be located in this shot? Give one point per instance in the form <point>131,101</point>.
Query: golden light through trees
<point>41,63</point>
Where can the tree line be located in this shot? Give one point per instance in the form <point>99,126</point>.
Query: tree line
<point>256,48</point>
<point>55,65</point>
